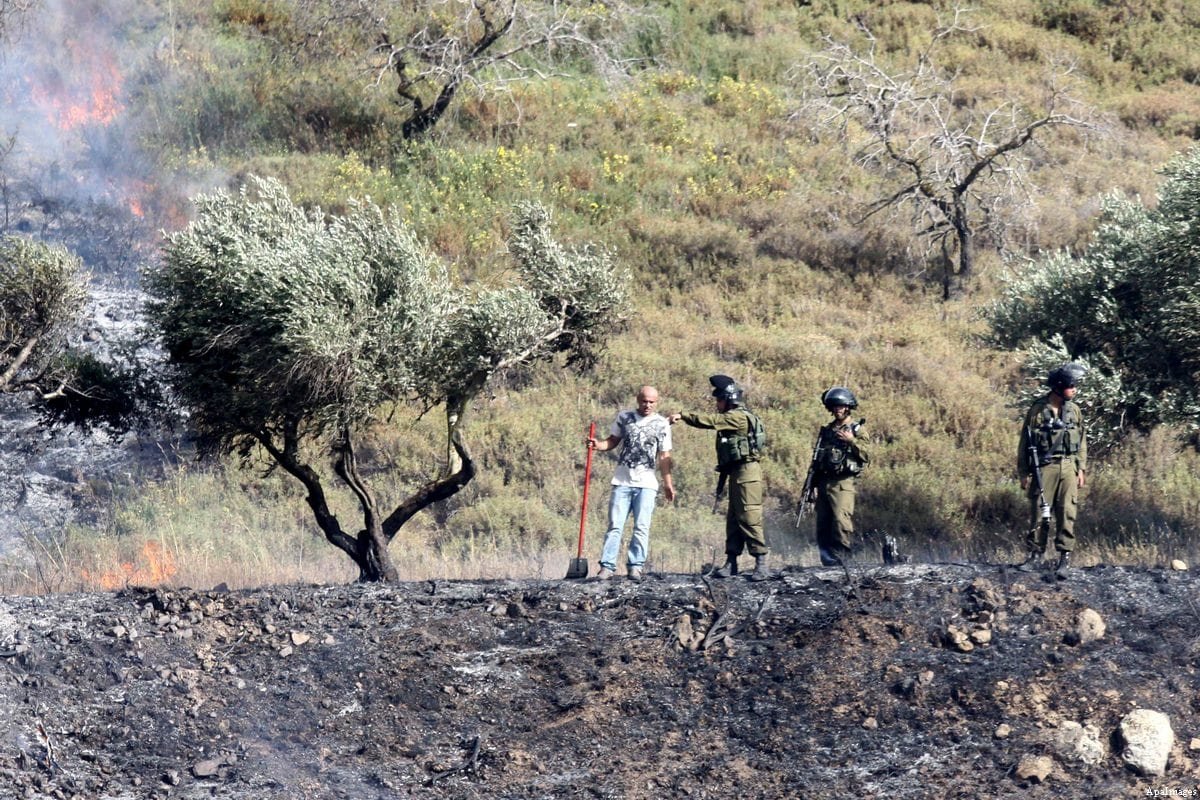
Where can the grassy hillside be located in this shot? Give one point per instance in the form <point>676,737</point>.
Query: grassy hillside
<point>742,221</point>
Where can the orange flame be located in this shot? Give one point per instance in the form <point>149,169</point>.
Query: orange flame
<point>93,101</point>
<point>158,567</point>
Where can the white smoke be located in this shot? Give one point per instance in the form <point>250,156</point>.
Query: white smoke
<point>74,81</point>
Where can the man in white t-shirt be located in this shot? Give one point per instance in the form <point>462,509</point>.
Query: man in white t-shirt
<point>645,439</point>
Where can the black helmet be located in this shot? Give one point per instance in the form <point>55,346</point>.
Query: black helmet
<point>1065,376</point>
<point>839,396</point>
<point>726,388</point>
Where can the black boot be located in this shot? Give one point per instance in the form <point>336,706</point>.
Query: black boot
<point>1032,562</point>
<point>761,573</point>
<point>729,570</point>
<point>1062,571</point>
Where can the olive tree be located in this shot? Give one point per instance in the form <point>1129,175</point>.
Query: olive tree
<point>42,291</point>
<point>956,164</point>
<point>296,333</point>
<point>1128,307</point>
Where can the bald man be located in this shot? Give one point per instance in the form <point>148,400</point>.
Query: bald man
<point>645,441</point>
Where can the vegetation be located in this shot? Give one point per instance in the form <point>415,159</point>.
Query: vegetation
<point>286,329</point>
<point>704,171</point>
<point>42,292</point>
<point>960,167</point>
<point>1128,306</point>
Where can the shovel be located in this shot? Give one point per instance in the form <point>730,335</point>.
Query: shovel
<point>579,564</point>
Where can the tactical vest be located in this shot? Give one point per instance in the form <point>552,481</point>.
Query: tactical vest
<point>834,459</point>
<point>1057,436</point>
<point>735,448</point>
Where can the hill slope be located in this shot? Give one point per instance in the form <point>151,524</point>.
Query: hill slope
<point>819,684</point>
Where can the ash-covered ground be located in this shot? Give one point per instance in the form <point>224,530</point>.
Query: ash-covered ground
<point>907,681</point>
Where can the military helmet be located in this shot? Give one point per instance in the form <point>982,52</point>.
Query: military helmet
<point>1065,376</point>
<point>839,396</point>
<point>726,388</point>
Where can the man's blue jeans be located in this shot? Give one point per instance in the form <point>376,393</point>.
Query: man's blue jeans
<point>623,500</point>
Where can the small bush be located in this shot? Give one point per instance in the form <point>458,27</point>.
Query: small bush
<point>1172,109</point>
<point>683,251</point>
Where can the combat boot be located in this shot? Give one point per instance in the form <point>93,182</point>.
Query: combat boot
<point>1032,562</point>
<point>761,573</point>
<point>1062,571</point>
<point>729,570</point>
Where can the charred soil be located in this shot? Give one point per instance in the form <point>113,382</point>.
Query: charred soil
<point>909,681</point>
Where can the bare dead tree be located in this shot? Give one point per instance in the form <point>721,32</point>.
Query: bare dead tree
<point>431,50</point>
<point>958,163</point>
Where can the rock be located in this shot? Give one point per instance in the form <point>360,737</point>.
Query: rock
<point>1148,739</point>
<point>983,596</point>
<point>299,638</point>
<point>1194,744</point>
<point>1178,566</point>
<point>956,638</point>
<point>207,768</point>
<point>870,724</point>
<point>982,636</point>
<point>686,634</point>
<point>1080,743</point>
<point>1035,768</point>
<point>1088,627</point>
<point>1003,731</point>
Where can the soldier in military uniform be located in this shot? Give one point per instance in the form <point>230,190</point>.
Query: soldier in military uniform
<point>1054,435</point>
<point>840,458</point>
<point>738,462</point>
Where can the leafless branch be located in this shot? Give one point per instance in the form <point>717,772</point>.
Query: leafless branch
<point>956,164</point>
<point>431,49</point>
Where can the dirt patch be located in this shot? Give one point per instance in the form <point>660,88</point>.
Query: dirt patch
<point>910,681</point>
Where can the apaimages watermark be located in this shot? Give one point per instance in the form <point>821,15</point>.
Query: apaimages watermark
<point>1167,791</point>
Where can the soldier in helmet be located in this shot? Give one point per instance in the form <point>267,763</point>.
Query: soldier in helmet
<point>840,458</point>
<point>739,444</point>
<point>1054,431</point>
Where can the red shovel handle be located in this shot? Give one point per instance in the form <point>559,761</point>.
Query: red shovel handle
<point>587,478</point>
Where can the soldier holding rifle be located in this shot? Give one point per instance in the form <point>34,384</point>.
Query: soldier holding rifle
<point>1051,462</point>
<point>838,458</point>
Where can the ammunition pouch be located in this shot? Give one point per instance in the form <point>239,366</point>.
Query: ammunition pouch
<point>1057,436</point>
<point>737,448</point>
<point>731,449</point>
<point>835,459</point>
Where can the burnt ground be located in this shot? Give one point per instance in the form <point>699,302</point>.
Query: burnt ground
<point>909,681</point>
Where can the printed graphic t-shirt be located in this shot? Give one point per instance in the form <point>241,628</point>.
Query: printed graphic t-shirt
<point>642,439</point>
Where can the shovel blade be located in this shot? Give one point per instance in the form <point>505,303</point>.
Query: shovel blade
<point>577,569</point>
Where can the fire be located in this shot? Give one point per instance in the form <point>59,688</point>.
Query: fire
<point>157,567</point>
<point>92,100</point>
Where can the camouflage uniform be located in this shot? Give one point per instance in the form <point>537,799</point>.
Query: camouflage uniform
<point>1062,450</point>
<point>838,465</point>
<point>744,518</point>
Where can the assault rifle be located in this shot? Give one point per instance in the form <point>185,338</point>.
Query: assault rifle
<point>806,494</point>
<point>719,494</point>
<point>1035,470</point>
